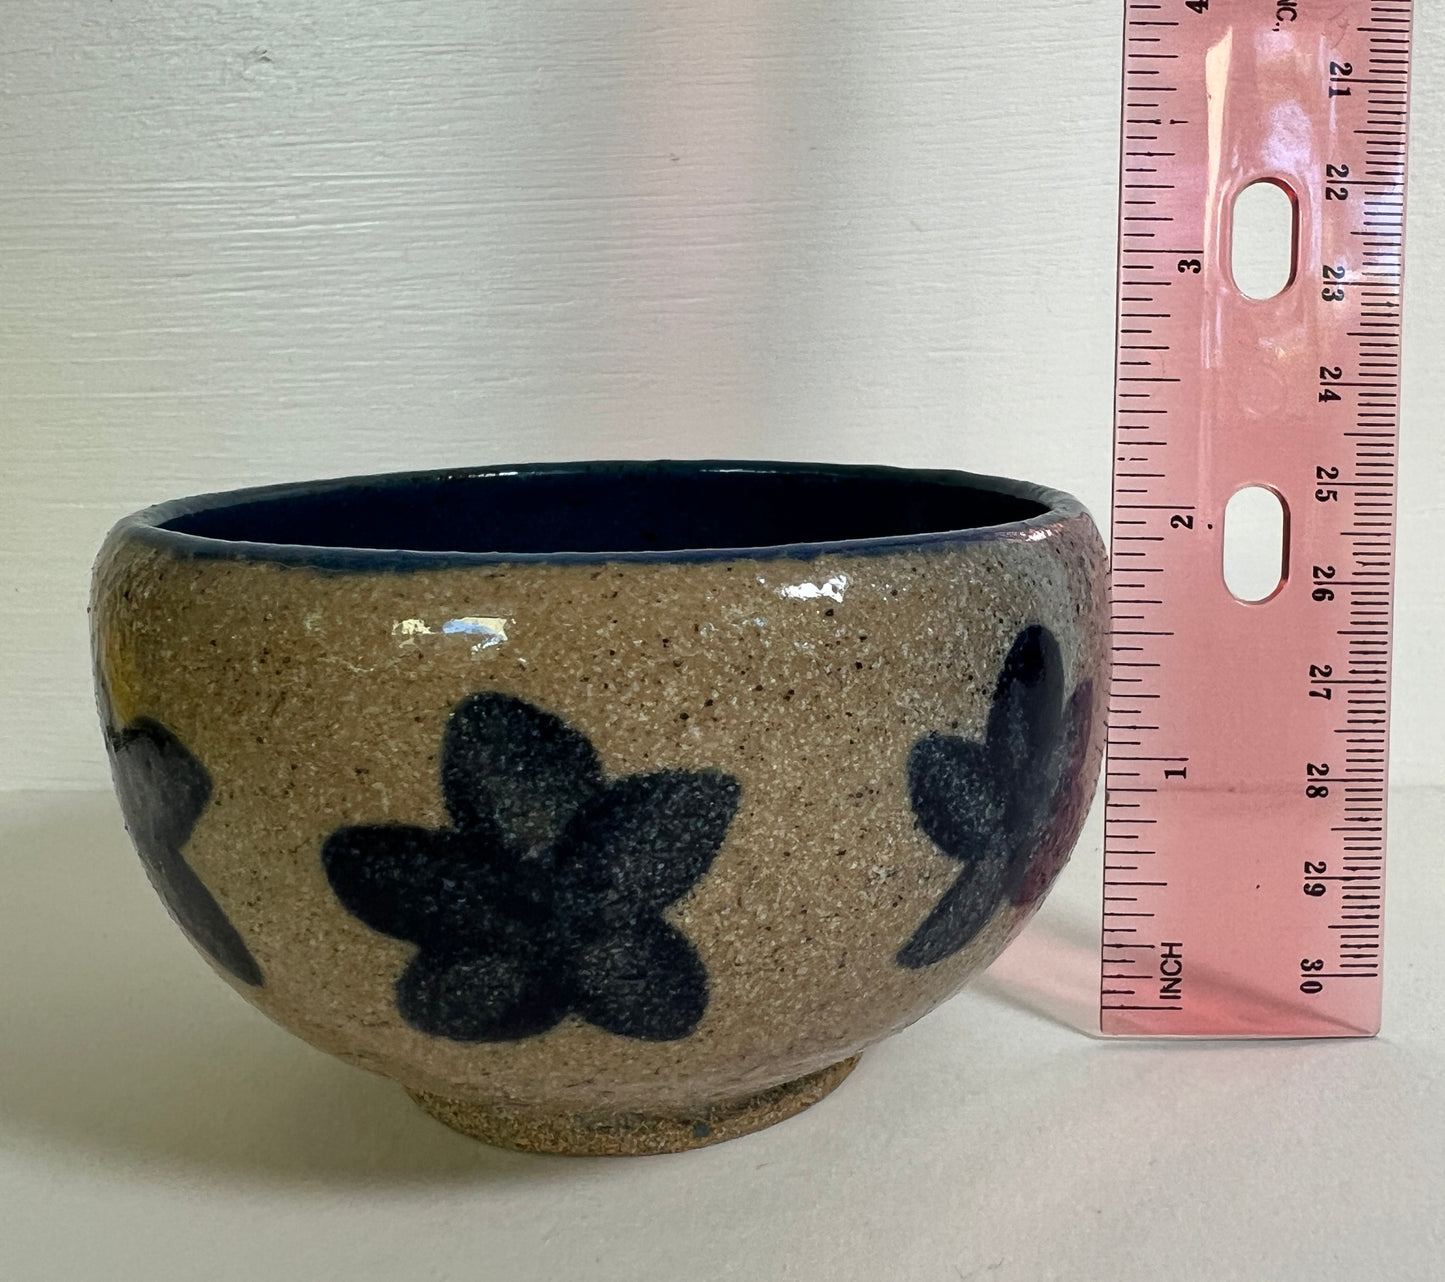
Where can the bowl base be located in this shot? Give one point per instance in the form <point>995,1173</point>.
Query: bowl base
<point>631,1134</point>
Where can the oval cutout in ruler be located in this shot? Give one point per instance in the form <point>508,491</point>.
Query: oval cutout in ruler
<point>1248,741</point>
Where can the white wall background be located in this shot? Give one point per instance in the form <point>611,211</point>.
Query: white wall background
<point>273,239</point>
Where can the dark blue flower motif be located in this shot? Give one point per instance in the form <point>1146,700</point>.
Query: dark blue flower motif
<point>163,790</point>
<point>545,895</point>
<point>1010,808</point>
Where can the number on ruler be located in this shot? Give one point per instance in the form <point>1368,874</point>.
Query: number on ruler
<point>1306,966</point>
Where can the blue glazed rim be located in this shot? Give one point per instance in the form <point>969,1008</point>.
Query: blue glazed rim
<point>164,525</point>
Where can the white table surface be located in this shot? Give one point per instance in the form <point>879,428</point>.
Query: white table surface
<point>153,1126</point>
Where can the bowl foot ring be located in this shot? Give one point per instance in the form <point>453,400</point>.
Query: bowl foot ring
<point>631,1134</point>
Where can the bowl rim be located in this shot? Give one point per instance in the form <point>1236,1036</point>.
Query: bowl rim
<point>148,525</point>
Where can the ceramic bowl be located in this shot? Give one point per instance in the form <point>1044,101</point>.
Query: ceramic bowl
<point>607,807</point>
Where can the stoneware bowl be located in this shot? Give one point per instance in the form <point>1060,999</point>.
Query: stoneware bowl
<point>607,807</point>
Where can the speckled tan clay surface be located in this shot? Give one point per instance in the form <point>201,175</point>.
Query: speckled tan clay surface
<point>611,1134</point>
<point>318,699</point>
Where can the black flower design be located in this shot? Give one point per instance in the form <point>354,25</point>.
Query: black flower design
<point>545,895</point>
<point>1010,808</point>
<point>163,790</point>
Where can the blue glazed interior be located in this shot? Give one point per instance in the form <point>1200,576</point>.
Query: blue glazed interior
<point>564,511</point>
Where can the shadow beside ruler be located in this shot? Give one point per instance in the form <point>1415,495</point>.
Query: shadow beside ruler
<point>1248,743</point>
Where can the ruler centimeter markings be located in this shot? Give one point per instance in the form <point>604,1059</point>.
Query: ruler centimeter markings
<point>1248,743</point>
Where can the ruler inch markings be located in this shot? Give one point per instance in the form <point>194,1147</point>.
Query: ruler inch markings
<point>1247,744</point>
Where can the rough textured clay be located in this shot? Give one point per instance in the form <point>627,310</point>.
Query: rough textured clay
<point>603,851</point>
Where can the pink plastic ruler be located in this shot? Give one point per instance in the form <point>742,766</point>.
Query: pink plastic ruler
<point>1248,743</point>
